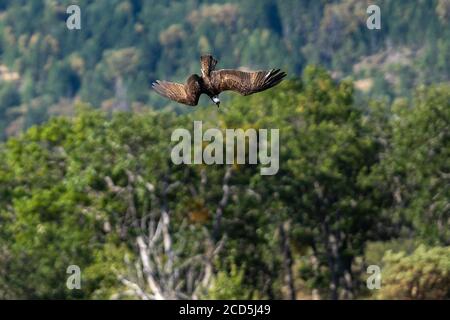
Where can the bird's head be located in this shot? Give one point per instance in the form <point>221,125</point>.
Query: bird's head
<point>216,100</point>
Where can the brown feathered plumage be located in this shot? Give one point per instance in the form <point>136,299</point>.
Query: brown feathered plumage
<point>212,83</point>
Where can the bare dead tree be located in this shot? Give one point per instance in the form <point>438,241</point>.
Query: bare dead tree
<point>163,271</point>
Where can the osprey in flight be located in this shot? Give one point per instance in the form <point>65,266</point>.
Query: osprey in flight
<point>214,82</point>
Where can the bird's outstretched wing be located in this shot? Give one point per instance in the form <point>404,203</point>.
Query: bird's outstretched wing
<point>188,93</point>
<point>246,83</point>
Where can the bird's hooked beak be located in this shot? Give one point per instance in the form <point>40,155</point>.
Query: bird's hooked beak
<point>216,100</point>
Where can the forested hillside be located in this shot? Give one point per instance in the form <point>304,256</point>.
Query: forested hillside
<point>125,45</point>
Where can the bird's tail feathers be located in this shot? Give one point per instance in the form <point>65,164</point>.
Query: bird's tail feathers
<point>208,64</point>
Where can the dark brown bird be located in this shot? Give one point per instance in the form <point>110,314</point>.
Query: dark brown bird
<point>213,82</point>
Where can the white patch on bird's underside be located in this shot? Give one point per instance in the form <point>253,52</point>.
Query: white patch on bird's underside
<point>216,99</point>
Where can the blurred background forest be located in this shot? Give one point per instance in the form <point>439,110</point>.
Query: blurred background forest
<point>86,177</point>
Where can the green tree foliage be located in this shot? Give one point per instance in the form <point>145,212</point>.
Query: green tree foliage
<point>424,274</point>
<point>415,166</point>
<point>88,190</point>
<point>229,286</point>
